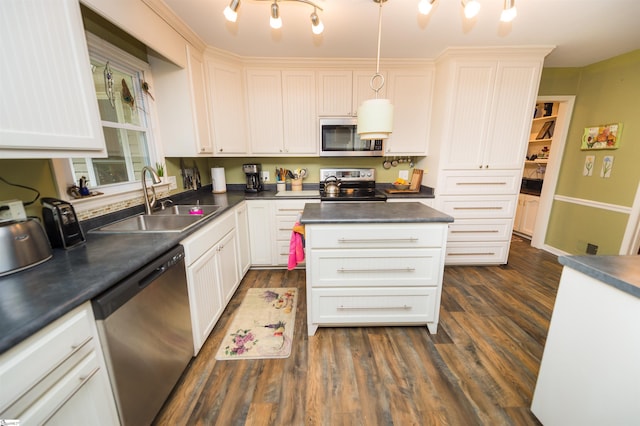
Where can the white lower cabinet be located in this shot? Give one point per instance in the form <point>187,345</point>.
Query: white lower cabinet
<point>212,274</point>
<point>483,204</point>
<point>244,246</point>
<point>374,274</point>
<point>526,212</point>
<point>58,375</point>
<point>270,227</point>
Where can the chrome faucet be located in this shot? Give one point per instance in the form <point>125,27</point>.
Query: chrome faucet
<point>149,204</point>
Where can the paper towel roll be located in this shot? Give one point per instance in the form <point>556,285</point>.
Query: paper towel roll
<point>218,180</point>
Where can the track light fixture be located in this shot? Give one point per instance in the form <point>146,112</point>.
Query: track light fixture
<point>472,7</point>
<point>275,21</point>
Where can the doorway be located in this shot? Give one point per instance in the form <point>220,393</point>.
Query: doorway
<point>552,168</point>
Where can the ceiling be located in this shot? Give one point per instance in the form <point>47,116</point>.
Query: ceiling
<point>583,31</point>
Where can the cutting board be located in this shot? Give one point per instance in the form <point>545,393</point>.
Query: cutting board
<point>414,185</point>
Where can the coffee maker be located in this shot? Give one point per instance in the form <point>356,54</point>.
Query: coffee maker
<point>253,177</point>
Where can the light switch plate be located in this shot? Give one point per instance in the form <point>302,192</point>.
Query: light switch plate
<point>403,174</point>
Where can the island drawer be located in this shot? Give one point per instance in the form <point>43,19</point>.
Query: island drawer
<point>378,306</point>
<point>376,267</point>
<point>396,235</point>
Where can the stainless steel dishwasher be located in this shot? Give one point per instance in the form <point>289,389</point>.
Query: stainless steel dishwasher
<point>144,325</point>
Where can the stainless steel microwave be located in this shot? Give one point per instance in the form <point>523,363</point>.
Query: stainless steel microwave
<point>339,138</point>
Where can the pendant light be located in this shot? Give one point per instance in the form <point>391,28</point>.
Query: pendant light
<point>375,116</point>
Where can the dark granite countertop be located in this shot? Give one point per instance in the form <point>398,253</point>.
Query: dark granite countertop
<point>33,298</point>
<point>621,272</point>
<point>373,212</point>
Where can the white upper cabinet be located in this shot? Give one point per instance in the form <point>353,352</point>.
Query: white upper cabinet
<point>299,112</point>
<point>282,112</point>
<point>490,111</point>
<point>340,92</point>
<point>264,92</point>
<point>48,106</point>
<point>227,112</point>
<point>335,93</point>
<point>180,95</point>
<point>411,93</point>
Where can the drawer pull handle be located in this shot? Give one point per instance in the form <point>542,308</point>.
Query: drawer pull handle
<point>361,308</point>
<point>377,240</point>
<point>472,254</point>
<point>407,269</point>
<point>481,183</point>
<point>477,208</point>
<point>491,231</point>
<point>83,380</point>
<point>290,210</point>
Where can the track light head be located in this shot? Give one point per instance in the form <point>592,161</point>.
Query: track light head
<point>425,6</point>
<point>275,21</point>
<point>230,12</point>
<point>509,12</point>
<point>471,8</point>
<point>316,24</point>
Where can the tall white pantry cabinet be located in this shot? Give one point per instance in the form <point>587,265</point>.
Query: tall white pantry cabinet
<point>486,99</point>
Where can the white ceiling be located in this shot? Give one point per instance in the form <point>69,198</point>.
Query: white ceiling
<point>583,31</point>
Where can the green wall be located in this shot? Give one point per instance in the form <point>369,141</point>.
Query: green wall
<point>606,92</point>
<point>32,173</point>
<point>234,174</point>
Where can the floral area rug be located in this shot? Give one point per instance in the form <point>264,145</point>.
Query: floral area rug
<point>262,327</point>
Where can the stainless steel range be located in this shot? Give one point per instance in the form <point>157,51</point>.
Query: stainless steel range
<point>349,184</point>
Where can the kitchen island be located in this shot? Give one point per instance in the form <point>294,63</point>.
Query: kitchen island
<point>590,374</point>
<point>374,264</point>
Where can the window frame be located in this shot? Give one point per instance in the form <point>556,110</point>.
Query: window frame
<point>62,167</point>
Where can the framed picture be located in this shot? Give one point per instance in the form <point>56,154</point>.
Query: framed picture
<point>602,137</point>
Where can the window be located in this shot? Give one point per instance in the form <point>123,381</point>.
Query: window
<point>127,113</point>
<point>118,80</point>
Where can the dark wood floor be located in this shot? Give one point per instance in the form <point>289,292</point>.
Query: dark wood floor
<point>480,368</point>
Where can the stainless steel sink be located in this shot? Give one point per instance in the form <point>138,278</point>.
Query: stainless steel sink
<point>186,209</point>
<point>152,223</point>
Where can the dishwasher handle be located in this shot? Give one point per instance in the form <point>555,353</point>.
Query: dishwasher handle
<point>113,298</point>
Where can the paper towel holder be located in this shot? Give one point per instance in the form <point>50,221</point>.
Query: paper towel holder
<point>218,181</point>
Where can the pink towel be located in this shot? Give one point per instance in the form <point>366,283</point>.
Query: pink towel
<point>296,250</point>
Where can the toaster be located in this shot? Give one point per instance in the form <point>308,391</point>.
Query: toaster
<point>61,223</point>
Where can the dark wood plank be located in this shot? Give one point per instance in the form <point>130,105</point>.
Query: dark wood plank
<point>480,368</point>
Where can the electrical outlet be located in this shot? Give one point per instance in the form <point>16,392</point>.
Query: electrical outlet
<point>12,210</point>
<point>403,174</point>
<point>264,175</point>
<point>172,182</point>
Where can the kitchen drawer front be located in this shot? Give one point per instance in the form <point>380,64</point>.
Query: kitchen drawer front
<point>376,267</point>
<point>206,237</point>
<point>472,253</point>
<point>480,230</point>
<point>284,227</point>
<point>396,235</point>
<point>282,255</point>
<point>378,306</point>
<point>476,182</point>
<point>484,207</point>
<point>294,207</point>
<point>30,368</point>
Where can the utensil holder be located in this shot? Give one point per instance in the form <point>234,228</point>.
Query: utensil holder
<point>281,186</point>
<point>296,184</point>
